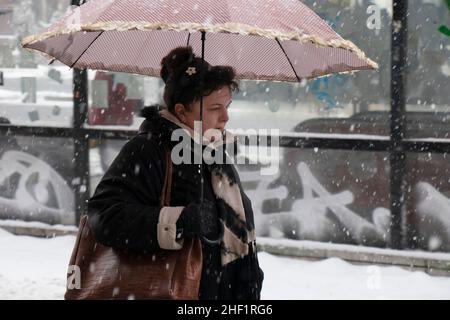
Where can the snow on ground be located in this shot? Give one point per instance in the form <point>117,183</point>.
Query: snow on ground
<point>336,279</point>
<point>34,268</point>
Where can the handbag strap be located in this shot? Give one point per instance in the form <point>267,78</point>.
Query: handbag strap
<point>167,186</point>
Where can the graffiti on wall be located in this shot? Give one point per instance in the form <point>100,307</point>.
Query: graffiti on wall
<point>30,189</point>
<point>443,28</point>
<point>310,218</point>
<point>324,216</point>
<point>433,211</point>
<point>326,89</point>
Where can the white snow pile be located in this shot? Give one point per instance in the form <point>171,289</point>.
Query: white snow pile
<point>35,268</point>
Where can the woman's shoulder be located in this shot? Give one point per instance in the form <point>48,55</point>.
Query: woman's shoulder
<point>146,146</point>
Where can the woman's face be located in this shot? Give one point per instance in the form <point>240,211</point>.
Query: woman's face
<point>215,110</point>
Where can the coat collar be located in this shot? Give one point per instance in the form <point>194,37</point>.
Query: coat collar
<point>162,122</point>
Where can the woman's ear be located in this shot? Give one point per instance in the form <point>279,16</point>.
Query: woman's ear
<point>180,112</point>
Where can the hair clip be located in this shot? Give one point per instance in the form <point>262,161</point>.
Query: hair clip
<point>191,70</point>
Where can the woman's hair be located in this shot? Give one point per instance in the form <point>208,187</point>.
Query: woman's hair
<point>180,70</point>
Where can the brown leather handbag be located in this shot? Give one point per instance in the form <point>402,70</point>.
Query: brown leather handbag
<point>106,273</point>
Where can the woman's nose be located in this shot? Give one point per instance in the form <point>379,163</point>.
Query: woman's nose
<point>224,116</point>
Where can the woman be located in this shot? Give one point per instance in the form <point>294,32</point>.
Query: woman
<point>124,211</point>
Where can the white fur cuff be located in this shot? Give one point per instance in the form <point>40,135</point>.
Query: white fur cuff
<point>167,228</point>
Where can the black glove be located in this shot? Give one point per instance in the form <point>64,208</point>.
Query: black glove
<point>192,223</point>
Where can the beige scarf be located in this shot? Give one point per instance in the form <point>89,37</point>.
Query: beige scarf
<point>238,236</point>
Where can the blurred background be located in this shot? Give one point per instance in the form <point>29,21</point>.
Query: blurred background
<point>57,149</point>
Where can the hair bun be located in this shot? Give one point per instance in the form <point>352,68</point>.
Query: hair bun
<point>175,62</point>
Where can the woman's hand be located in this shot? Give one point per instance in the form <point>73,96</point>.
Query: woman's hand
<point>196,222</point>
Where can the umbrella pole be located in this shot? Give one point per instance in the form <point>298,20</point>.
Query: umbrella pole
<point>202,77</point>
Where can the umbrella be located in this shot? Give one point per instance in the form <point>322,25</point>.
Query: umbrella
<point>278,40</point>
<point>262,39</point>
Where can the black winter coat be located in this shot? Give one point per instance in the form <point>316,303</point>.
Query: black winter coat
<point>124,211</point>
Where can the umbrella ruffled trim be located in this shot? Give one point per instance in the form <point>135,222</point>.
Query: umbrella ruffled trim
<point>147,71</point>
<point>229,27</point>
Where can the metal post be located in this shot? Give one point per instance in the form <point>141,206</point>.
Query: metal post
<point>81,180</point>
<point>398,119</point>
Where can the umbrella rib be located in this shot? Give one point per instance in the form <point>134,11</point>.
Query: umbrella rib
<point>289,60</point>
<point>86,49</point>
<point>189,38</point>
